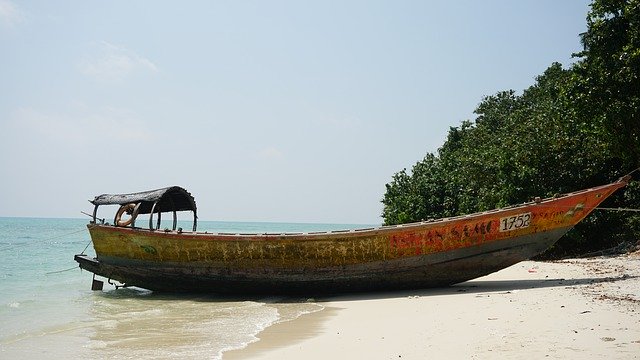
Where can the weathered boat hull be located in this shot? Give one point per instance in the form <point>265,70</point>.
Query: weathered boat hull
<point>421,271</point>
<point>420,255</point>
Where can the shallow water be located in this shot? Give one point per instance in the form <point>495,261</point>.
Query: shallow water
<point>47,309</point>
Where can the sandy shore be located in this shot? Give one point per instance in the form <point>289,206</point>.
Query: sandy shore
<point>582,308</point>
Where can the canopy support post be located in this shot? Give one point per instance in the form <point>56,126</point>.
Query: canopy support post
<point>95,213</point>
<point>195,220</point>
<point>175,220</point>
<point>153,208</point>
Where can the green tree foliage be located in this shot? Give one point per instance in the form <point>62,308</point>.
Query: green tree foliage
<point>606,82</point>
<point>574,128</point>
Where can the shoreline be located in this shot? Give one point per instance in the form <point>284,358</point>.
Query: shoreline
<point>561,309</point>
<point>285,333</point>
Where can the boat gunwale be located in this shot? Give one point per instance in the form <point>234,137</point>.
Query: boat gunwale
<point>360,232</point>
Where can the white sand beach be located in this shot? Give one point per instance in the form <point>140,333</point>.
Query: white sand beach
<point>579,308</point>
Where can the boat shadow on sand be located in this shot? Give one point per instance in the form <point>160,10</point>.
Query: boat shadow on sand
<point>483,287</point>
<point>468,287</point>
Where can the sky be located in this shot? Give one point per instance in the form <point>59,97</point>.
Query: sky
<point>282,111</point>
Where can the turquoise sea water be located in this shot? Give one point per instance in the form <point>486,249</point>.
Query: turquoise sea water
<point>47,310</point>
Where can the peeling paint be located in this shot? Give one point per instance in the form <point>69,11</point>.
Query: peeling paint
<point>380,253</point>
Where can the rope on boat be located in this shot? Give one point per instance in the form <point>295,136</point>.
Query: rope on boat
<point>638,170</point>
<point>12,246</point>
<point>587,208</point>
<point>61,271</point>
<point>617,209</point>
<point>86,247</point>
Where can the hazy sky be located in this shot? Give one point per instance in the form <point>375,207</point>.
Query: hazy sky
<point>294,111</point>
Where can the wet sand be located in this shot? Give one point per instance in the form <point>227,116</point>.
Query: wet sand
<point>580,308</point>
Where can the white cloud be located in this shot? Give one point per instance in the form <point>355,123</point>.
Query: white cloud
<point>81,126</point>
<point>113,63</point>
<point>340,123</point>
<point>270,153</point>
<point>10,15</point>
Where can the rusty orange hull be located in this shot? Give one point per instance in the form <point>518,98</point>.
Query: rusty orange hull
<point>418,255</point>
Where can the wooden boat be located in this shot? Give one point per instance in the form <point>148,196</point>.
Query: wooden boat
<point>418,255</point>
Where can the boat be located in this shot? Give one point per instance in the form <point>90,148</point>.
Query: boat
<point>424,254</point>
